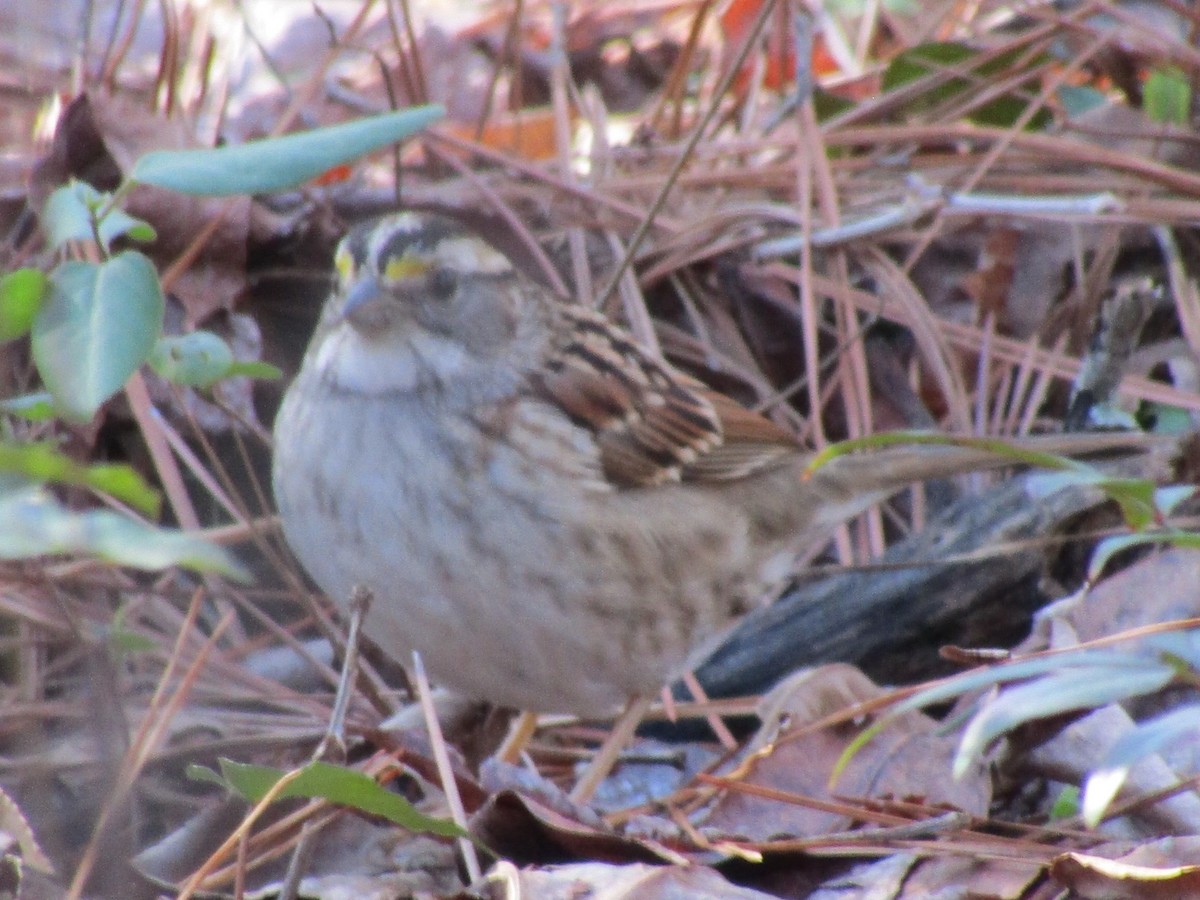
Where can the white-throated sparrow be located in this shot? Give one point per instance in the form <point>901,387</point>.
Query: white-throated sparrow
<point>556,520</point>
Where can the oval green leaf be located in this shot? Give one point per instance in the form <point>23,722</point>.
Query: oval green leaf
<point>274,164</point>
<point>35,407</point>
<point>43,462</point>
<point>118,223</point>
<point>199,359</point>
<point>336,784</point>
<point>1167,96</point>
<point>98,324</point>
<point>71,212</point>
<point>21,294</point>
<point>67,214</point>
<point>36,525</point>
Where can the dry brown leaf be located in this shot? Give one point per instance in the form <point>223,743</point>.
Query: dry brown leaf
<point>519,827</point>
<point>1099,878</point>
<point>599,881</point>
<point>907,759</point>
<point>1159,588</point>
<point>996,879</point>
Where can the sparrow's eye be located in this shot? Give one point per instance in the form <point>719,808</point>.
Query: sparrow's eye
<point>443,283</point>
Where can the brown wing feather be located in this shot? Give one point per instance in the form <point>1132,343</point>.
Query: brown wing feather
<point>752,442</point>
<point>651,423</point>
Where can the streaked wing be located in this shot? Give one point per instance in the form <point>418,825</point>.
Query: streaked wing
<point>651,424</point>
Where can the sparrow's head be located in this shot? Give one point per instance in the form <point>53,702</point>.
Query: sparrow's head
<point>421,300</point>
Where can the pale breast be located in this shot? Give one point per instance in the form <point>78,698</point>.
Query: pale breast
<point>495,548</point>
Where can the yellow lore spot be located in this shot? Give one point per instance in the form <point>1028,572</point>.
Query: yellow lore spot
<point>344,263</point>
<point>406,266</point>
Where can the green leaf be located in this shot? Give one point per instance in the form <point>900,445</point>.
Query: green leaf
<point>996,446</point>
<point>74,213</point>
<point>827,105</point>
<point>1164,419</point>
<point>1167,96</point>
<point>1147,738</point>
<point>205,775</point>
<point>35,407</point>
<point>124,640</point>
<point>201,358</point>
<point>69,213</point>
<point>1079,100</point>
<point>99,323</point>
<point>977,70</point>
<point>1137,497</point>
<point>21,294</point>
<point>977,679</point>
<point>37,525</point>
<point>1066,804</point>
<point>255,369</point>
<point>118,223</point>
<point>340,785</point>
<point>1074,689</point>
<point>42,463</point>
<point>1178,648</point>
<point>198,359</point>
<point>1111,546</point>
<point>260,167</point>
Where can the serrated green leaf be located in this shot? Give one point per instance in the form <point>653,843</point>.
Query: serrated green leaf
<point>199,359</point>
<point>21,294</point>
<point>23,848</point>
<point>36,407</point>
<point>37,525</point>
<point>274,164</point>
<point>336,784</point>
<point>98,324</point>
<point>43,462</point>
<point>1167,96</point>
<point>1074,689</point>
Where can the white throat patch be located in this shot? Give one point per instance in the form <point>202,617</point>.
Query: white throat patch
<point>353,363</point>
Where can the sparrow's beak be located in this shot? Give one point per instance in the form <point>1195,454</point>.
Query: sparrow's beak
<point>372,301</point>
<point>362,305</point>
